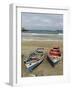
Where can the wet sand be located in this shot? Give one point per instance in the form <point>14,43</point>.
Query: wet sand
<point>45,68</point>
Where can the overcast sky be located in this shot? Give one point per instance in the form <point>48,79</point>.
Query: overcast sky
<point>37,21</point>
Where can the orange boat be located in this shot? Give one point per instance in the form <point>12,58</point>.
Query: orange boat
<point>54,55</point>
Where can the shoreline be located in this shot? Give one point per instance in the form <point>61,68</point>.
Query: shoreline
<point>41,34</point>
<point>40,40</point>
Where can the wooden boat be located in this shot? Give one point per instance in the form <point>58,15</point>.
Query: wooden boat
<point>30,65</point>
<point>54,55</point>
<point>33,61</point>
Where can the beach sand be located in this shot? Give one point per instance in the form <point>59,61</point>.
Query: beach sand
<point>45,68</point>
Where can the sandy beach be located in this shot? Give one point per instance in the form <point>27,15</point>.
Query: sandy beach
<point>44,69</point>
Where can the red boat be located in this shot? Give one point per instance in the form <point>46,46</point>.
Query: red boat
<point>54,55</point>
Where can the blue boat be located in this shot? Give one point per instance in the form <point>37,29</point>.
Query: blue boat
<point>33,61</point>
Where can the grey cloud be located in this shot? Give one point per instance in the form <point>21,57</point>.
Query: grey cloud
<point>37,21</point>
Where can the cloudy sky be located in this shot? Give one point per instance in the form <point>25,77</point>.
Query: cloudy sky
<point>37,21</point>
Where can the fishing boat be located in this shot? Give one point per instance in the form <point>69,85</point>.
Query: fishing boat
<point>30,65</point>
<point>33,61</point>
<point>54,55</point>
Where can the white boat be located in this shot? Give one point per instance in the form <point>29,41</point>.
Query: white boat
<point>33,61</point>
<point>32,64</point>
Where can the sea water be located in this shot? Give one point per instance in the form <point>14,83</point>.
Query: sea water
<point>42,34</point>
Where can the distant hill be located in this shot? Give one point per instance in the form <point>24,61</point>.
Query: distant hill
<point>42,31</point>
<point>24,30</point>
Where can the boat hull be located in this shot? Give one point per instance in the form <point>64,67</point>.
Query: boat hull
<point>53,62</point>
<point>31,67</point>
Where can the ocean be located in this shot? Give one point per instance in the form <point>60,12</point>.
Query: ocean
<point>44,31</point>
<point>42,35</point>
